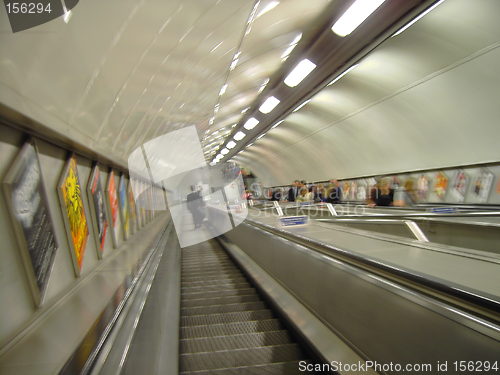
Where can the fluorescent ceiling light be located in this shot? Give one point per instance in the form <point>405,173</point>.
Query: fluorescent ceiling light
<point>342,74</point>
<point>251,123</point>
<point>223,89</point>
<point>249,145</point>
<point>277,124</point>
<point>231,144</point>
<point>260,136</point>
<point>239,136</point>
<point>269,104</point>
<point>67,16</point>
<point>302,105</point>
<point>297,39</point>
<point>224,151</point>
<point>416,19</point>
<point>354,16</point>
<point>246,109</point>
<point>267,8</point>
<point>288,51</point>
<point>301,71</point>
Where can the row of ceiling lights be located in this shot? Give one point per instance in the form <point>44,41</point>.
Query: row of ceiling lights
<point>359,11</point>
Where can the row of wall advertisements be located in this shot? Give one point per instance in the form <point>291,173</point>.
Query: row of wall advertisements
<point>29,208</point>
<point>474,185</point>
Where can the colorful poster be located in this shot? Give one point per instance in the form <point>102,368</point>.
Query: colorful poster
<point>440,185</point>
<point>98,209</point>
<point>459,186</point>
<point>75,220</point>
<point>124,209</point>
<point>422,187</point>
<point>28,205</point>
<point>482,186</point>
<point>134,226</point>
<point>113,206</point>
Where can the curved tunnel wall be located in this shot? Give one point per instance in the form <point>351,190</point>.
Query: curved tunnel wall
<point>425,99</point>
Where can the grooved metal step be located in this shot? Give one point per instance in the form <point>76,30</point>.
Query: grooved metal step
<point>224,329</point>
<point>281,368</point>
<point>254,297</point>
<point>213,288</point>
<point>221,280</point>
<point>246,340</point>
<point>211,274</point>
<point>215,309</point>
<point>217,293</point>
<point>239,316</point>
<point>192,279</point>
<point>240,357</point>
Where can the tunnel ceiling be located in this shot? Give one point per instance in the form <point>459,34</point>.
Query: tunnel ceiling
<point>122,72</point>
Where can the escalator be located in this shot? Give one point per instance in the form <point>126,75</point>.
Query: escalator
<point>225,326</point>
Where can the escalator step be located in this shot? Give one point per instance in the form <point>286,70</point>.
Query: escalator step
<point>247,340</point>
<point>239,316</point>
<point>215,309</point>
<point>224,329</point>
<point>254,297</point>
<point>226,278</point>
<point>240,357</point>
<point>213,288</point>
<point>212,272</point>
<point>217,293</point>
<point>214,282</point>
<point>282,368</point>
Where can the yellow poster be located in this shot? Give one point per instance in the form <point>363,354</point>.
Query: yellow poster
<point>76,221</point>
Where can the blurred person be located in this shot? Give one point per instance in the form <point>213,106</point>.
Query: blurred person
<point>334,192</point>
<point>276,195</point>
<point>196,206</point>
<point>293,192</point>
<point>406,195</point>
<point>385,196</point>
<point>305,195</point>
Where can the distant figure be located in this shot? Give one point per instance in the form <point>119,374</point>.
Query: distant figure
<point>334,192</point>
<point>276,195</point>
<point>294,191</point>
<point>196,206</point>
<point>385,196</point>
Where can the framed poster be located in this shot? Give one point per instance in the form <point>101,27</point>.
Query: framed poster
<point>98,209</point>
<point>75,220</point>
<point>440,185</point>
<point>134,226</point>
<point>459,186</point>
<point>422,188</point>
<point>124,209</point>
<point>112,199</point>
<point>28,205</point>
<point>482,186</point>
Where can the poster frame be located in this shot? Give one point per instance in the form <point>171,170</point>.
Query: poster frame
<point>100,243</point>
<point>123,206</point>
<point>114,224</point>
<point>38,292</point>
<point>60,186</point>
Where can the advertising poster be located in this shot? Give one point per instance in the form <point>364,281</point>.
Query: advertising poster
<point>134,226</point>
<point>113,207</point>
<point>482,186</point>
<point>98,209</point>
<point>75,220</point>
<point>440,185</point>
<point>459,186</point>
<point>422,187</point>
<point>124,209</point>
<point>28,205</point>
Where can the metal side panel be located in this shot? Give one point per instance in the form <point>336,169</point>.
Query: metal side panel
<point>319,335</point>
<point>155,345</point>
<point>384,321</point>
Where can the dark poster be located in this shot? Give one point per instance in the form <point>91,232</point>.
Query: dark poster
<point>98,208</point>
<point>27,201</point>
